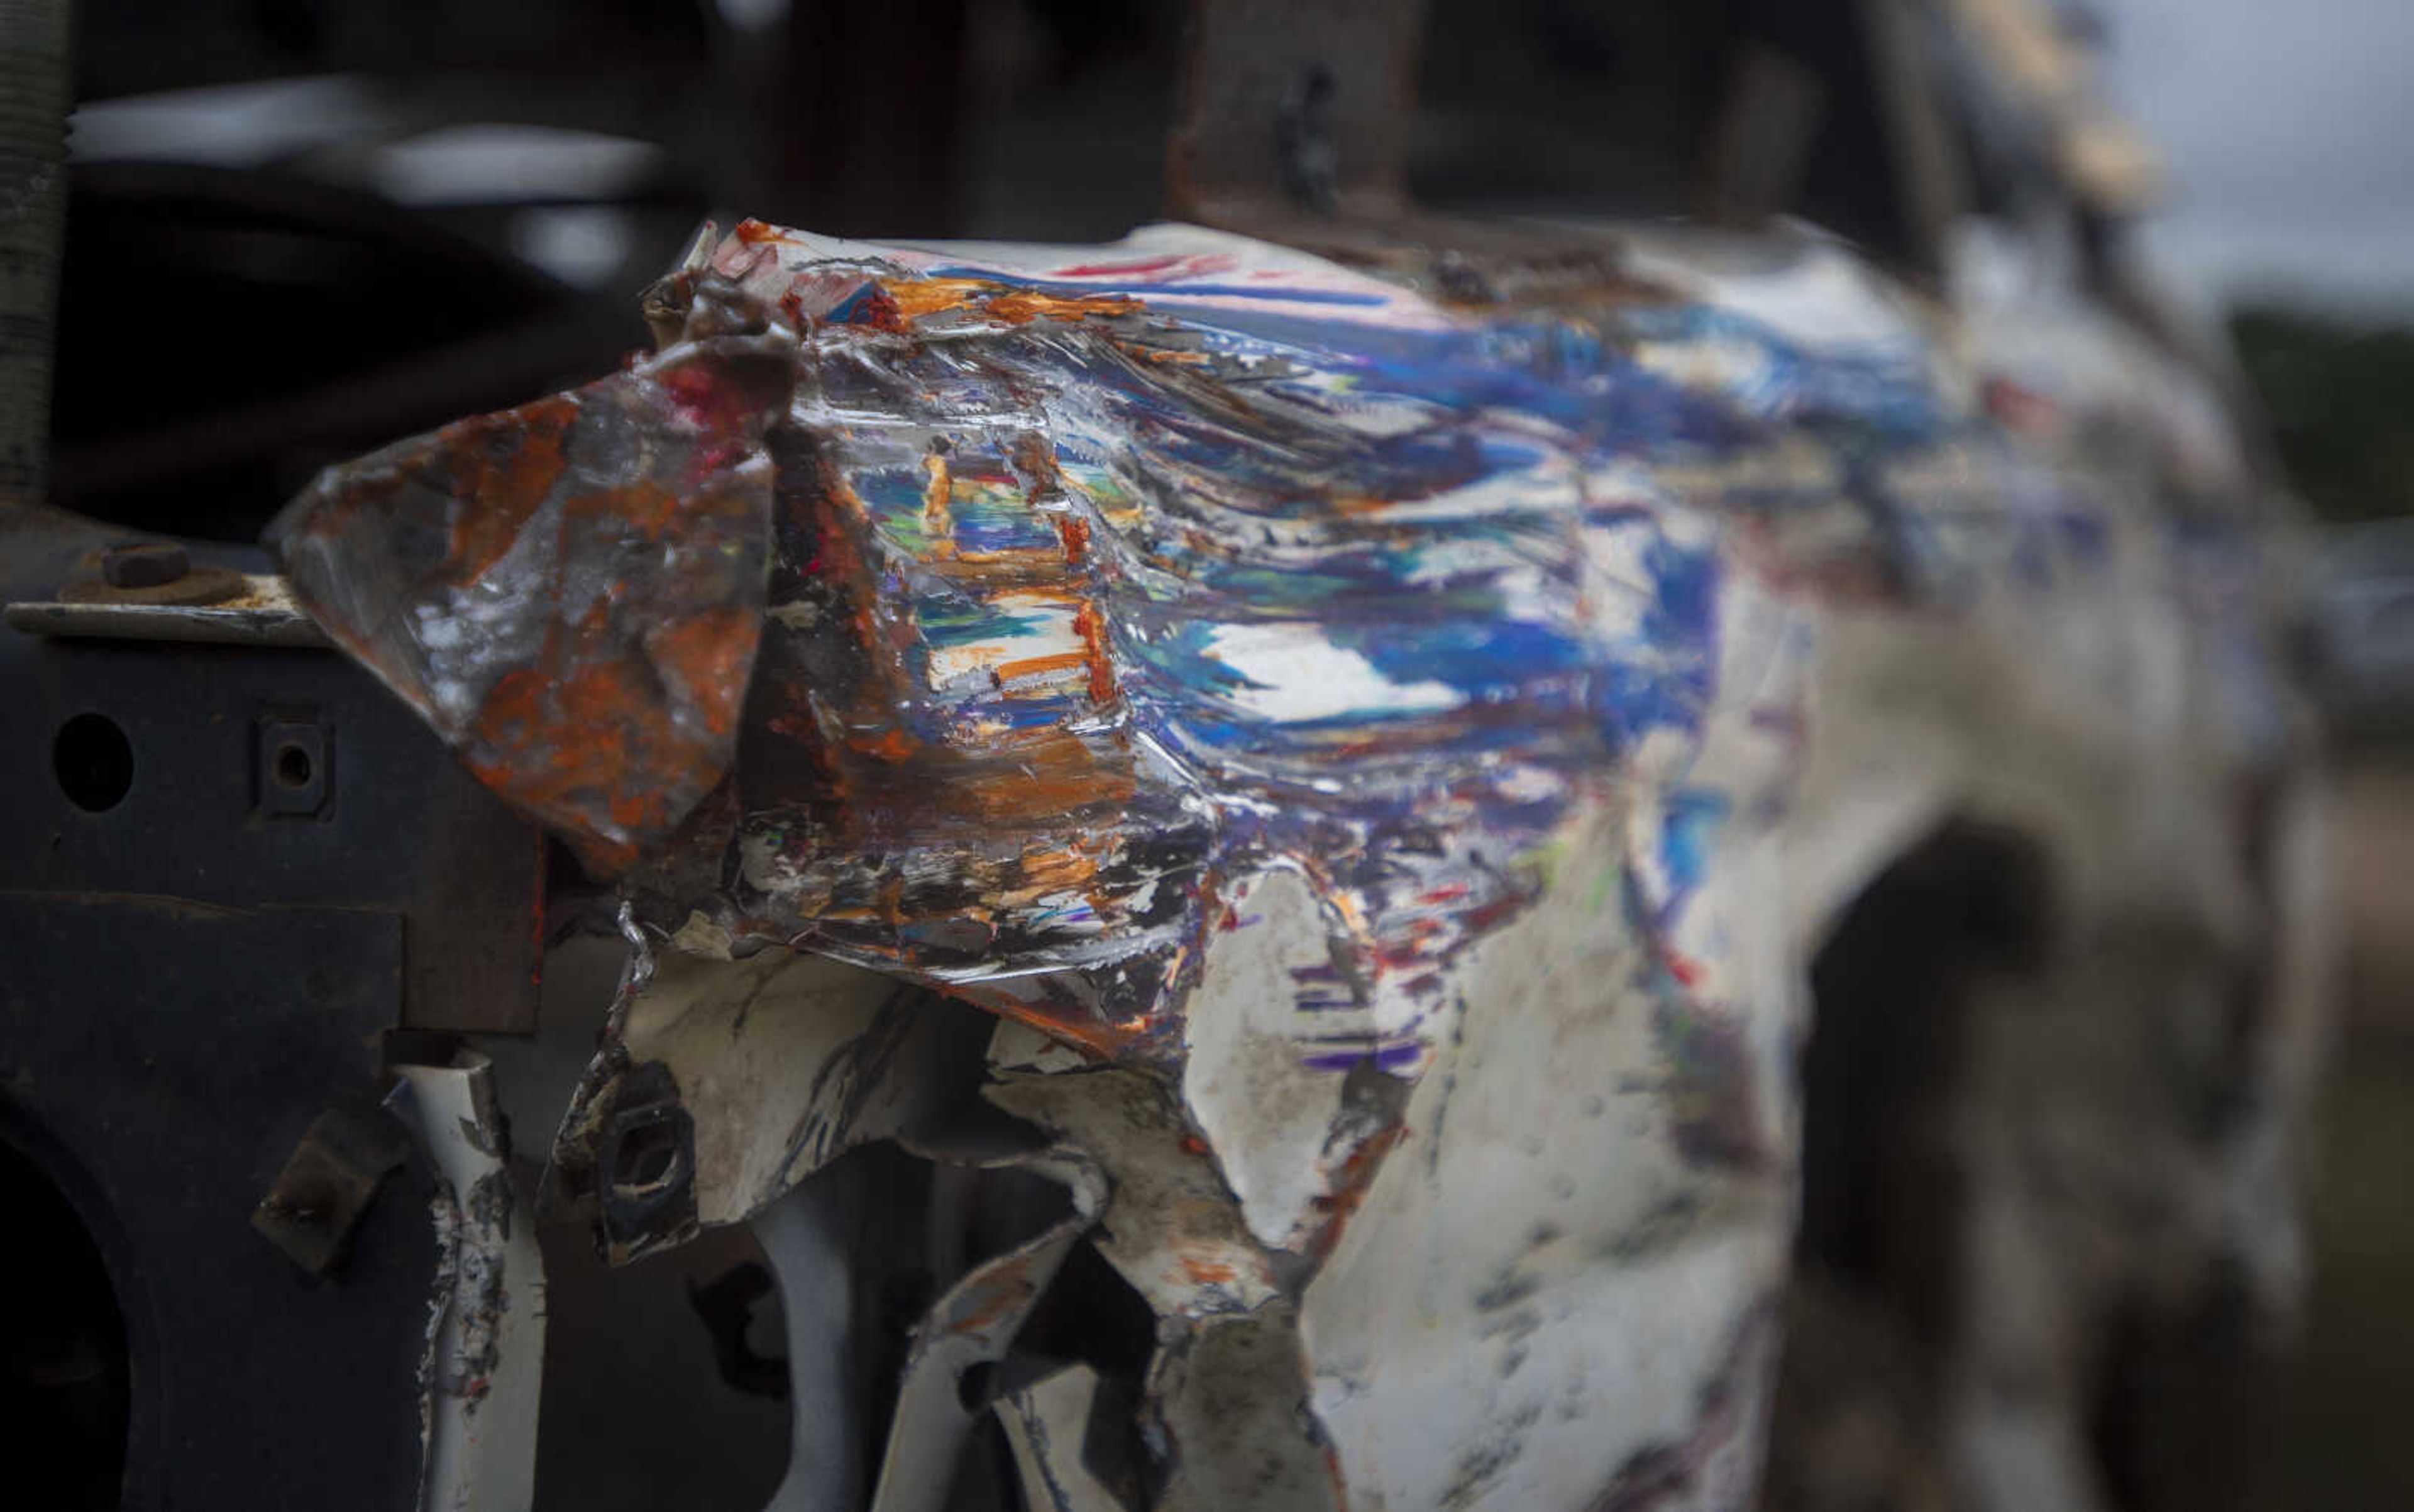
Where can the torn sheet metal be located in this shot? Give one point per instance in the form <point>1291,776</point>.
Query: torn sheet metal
<point>570,592</point>
<point>775,1036</point>
<point>1411,720</point>
<point>722,1083</point>
<point>1045,1424</point>
<point>1169,1222</point>
<point>952,1363</point>
<point>1231,1401</point>
<point>971,1326</point>
<point>485,1339</point>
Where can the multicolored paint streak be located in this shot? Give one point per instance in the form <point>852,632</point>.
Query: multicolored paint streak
<point>1095,580</point>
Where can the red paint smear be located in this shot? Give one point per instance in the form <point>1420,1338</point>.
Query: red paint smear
<point>1350,1187</point>
<point>2017,407</point>
<point>1123,270</point>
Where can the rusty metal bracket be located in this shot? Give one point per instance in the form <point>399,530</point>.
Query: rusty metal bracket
<point>330,1180</point>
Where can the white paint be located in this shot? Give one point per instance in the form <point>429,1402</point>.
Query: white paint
<point>481,1445</point>
<point>1295,676</point>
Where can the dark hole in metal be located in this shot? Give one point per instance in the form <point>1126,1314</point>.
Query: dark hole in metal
<point>65,1375</point>
<point>647,1155</point>
<point>93,761</point>
<point>294,766</point>
<point>976,1386</point>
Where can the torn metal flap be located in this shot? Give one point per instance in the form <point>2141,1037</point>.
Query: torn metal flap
<point>570,592</point>
<point>1170,1225</point>
<point>1046,1423</point>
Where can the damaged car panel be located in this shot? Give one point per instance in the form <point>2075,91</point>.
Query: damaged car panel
<point>1412,744</point>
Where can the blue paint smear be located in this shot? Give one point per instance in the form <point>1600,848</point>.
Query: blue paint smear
<point>1688,827</point>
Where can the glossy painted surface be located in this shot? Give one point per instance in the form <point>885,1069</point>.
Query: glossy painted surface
<point>1420,739</point>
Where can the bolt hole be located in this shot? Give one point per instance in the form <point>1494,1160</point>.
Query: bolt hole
<point>93,761</point>
<point>649,1155</point>
<point>976,1386</point>
<point>294,766</point>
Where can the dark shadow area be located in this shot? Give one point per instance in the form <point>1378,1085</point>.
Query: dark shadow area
<point>66,1377</point>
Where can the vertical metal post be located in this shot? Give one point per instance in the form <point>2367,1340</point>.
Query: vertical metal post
<point>36,85</point>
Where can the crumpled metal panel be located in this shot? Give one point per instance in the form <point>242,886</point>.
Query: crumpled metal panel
<point>1415,722</point>
<point>570,592</point>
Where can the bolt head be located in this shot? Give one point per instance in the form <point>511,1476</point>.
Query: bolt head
<point>144,565</point>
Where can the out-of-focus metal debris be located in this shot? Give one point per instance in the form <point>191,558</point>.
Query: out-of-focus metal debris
<point>329,1181</point>
<point>1046,1423</point>
<point>967,1330</point>
<point>808,1240</point>
<point>1295,110</point>
<point>485,1327</point>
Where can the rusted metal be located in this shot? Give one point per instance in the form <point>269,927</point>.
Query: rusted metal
<point>577,595</point>
<point>329,1181</point>
<point>144,565</point>
<point>255,609</point>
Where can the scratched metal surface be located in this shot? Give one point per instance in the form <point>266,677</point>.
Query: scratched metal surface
<point>1418,736</point>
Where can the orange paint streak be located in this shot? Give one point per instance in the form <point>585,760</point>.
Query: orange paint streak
<point>1011,562</point>
<point>1040,666</point>
<point>1054,871</point>
<point>1033,771</point>
<point>1100,1041</point>
<point>1092,627</point>
<point>1209,1272</point>
<point>1021,306</point>
<point>915,298</point>
<point>1075,532</point>
<point>937,493</point>
<point>889,746</point>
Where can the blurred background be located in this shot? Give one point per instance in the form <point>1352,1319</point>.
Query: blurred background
<point>297,229</point>
<point>2285,214</point>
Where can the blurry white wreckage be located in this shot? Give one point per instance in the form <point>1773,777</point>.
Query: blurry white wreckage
<point>1384,743</point>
